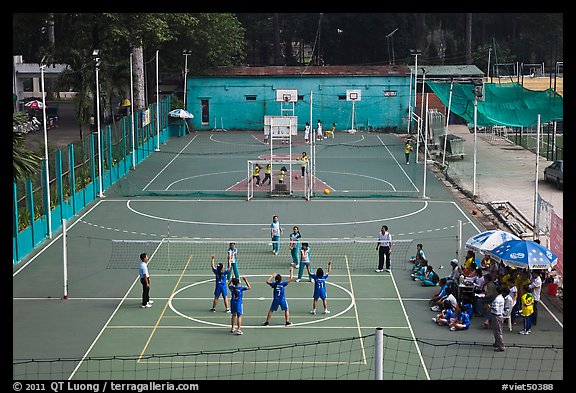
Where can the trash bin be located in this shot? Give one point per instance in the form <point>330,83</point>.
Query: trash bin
<point>552,289</point>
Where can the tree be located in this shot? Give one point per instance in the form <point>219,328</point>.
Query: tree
<point>25,162</point>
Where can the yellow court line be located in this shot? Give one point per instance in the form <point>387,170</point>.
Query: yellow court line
<point>163,311</point>
<point>355,309</point>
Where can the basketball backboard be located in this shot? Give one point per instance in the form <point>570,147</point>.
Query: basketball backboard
<point>286,95</point>
<point>353,95</point>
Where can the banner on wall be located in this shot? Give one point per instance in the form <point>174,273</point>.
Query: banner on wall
<point>556,240</point>
<point>145,117</point>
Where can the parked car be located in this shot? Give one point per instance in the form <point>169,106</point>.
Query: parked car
<point>554,173</point>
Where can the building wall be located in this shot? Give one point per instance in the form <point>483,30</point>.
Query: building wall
<point>240,103</point>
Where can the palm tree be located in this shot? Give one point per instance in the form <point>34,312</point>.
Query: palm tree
<point>24,161</point>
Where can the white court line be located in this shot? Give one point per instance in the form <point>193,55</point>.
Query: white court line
<point>355,310</point>
<point>410,327</point>
<point>56,238</point>
<point>397,163</point>
<point>166,166</point>
<point>128,205</point>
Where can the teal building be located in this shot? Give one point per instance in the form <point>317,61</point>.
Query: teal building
<point>238,98</point>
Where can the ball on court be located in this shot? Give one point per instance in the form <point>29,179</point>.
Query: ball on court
<point>474,212</point>
<point>326,191</point>
<point>296,177</point>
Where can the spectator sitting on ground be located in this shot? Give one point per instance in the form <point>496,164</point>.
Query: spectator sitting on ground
<point>419,254</point>
<point>449,295</point>
<point>454,276</point>
<point>443,318</point>
<point>421,270</point>
<point>440,294</point>
<point>462,319</point>
<point>430,278</point>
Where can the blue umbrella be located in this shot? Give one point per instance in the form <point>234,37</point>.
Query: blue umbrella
<point>524,254</point>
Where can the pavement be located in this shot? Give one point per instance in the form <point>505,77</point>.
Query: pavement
<point>504,172</point>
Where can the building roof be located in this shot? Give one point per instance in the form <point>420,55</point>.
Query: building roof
<point>449,71</point>
<point>239,71</point>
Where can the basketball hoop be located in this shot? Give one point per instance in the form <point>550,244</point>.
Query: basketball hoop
<point>287,97</point>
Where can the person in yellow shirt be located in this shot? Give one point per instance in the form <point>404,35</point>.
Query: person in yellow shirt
<point>267,174</point>
<point>304,164</point>
<point>330,132</point>
<point>407,149</point>
<point>281,175</point>
<point>256,174</point>
<point>470,257</point>
<point>527,309</point>
<point>486,262</point>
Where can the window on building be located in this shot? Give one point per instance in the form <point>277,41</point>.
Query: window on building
<point>28,84</point>
<point>342,97</point>
<point>250,98</point>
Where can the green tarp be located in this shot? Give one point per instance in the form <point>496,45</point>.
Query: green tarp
<point>505,104</point>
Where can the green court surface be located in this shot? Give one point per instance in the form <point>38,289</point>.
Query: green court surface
<point>180,206</point>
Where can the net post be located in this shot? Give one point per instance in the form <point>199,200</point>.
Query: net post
<point>459,239</point>
<point>65,258</point>
<point>379,354</point>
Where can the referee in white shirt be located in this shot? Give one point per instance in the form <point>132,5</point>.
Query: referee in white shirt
<point>145,281</point>
<point>384,248</point>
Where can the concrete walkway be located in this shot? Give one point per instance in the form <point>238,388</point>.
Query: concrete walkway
<point>504,172</point>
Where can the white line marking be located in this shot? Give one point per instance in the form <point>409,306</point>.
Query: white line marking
<point>166,166</point>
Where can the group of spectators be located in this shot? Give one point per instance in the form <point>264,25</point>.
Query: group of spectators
<point>481,288</point>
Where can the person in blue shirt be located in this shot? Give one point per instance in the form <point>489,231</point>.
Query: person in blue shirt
<point>220,288</point>
<point>295,246</point>
<point>447,313</point>
<point>232,255</point>
<point>319,287</point>
<point>279,296</point>
<point>462,319</point>
<point>236,294</point>
<point>275,233</point>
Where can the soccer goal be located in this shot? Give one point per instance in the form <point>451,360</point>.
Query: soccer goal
<point>285,179</point>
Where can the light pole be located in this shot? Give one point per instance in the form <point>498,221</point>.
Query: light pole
<point>157,108</point>
<point>96,54</point>
<point>415,53</point>
<point>48,210</point>
<point>391,35</point>
<point>132,115</point>
<point>186,54</point>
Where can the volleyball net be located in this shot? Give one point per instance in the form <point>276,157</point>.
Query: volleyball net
<point>375,356</point>
<point>177,254</point>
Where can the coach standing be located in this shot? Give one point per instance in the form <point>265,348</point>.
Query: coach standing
<point>384,248</point>
<point>145,281</point>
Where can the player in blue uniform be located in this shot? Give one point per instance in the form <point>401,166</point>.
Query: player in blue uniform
<point>220,288</point>
<point>462,319</point>
<point>279,295</point>
<point>319,287</point>
<point>236,292</point>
